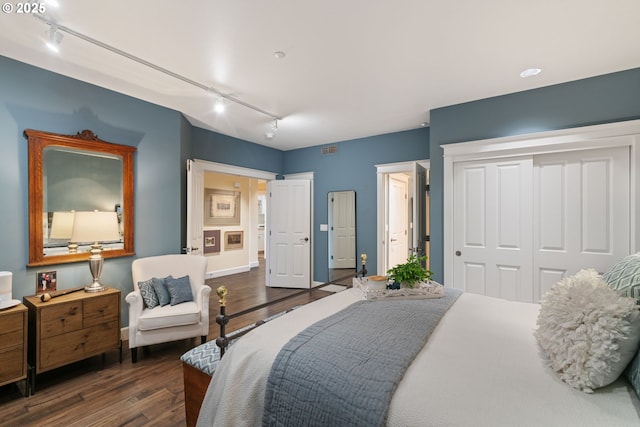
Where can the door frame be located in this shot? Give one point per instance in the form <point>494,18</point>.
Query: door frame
<point>382,170</point>
<point>618,134</point>
<point>199,167</point>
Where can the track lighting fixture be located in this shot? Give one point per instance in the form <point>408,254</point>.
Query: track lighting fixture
<point>55,36</point>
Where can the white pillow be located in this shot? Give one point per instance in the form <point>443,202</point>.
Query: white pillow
<point>589,332</point>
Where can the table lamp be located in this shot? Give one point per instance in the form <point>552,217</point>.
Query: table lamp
<point>96,227</point>
<point>61,228</point>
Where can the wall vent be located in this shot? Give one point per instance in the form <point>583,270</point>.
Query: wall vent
<point>329,149</point>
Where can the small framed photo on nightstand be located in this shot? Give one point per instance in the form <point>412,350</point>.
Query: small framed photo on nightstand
<point>46,281</point>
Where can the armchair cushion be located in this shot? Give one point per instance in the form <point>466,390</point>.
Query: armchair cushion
<point>187,313</point>
<point>148,294</point>
<point>160,286</point>
<point>179,289</point>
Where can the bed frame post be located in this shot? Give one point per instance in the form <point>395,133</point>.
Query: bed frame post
<point>363,257</point>
<point>222,319</point>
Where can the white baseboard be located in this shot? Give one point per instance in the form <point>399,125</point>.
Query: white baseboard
<point>227,272</point>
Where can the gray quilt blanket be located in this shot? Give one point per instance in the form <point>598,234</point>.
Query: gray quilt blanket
<point>344,369</point>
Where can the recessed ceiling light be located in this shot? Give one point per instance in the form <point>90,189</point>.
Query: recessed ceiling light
<point>424,124</point>
<point>279,54</point>
<point>530,72</point>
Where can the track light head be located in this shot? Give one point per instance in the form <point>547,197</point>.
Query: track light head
<point>219,106</point>
<point>55,37</point>
<point>273,130</point>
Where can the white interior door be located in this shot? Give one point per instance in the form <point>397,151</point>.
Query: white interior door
<point>195,207</point>
<point>398,214</point>
<point>342,224</point>
<point>581,213</point>
<point>492,228</point>
<point>289,229</point>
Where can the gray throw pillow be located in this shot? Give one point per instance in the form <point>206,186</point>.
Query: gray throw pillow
<point>179,289</point>
<point>159,285</point>
<point>148,294</point>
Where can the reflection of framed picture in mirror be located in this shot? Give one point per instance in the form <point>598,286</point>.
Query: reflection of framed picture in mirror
<point>233,240</point>
<point>46,281</point>
<point>211,241</point>
<point>221,207</point>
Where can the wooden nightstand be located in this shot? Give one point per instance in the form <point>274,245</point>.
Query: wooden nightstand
<point>72,327</point>
<point>13,345</point>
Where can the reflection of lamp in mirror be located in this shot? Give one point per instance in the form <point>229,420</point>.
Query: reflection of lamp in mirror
<point>95,227</point>
<point>61,227</point>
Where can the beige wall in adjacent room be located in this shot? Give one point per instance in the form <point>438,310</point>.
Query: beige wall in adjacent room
<point>236,260</point>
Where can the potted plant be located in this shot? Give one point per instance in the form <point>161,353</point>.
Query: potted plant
<point>410,273</point>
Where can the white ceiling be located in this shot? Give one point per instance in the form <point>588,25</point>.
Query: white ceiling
<point>353,68</point>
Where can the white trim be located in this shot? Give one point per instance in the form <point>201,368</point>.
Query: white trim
<point>227,271</point>
<point>381,171</point>
<point>583,138</point>
<point>401,166</point>
<point>234,170</point>
<point>300,175</point>
<point>586,137</point>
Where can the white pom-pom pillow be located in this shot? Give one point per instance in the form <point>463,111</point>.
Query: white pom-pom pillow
<point>589,332</point>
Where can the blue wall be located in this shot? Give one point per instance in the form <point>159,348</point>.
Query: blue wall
<point>220,148</point>
<point>31,98</point>
<point>602,99</point>
<point>353,168</point>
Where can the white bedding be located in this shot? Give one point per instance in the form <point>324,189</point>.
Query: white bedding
<point>480,367</point>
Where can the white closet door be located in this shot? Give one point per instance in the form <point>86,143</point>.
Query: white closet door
<point>492,228</point>
<point>581,213</point>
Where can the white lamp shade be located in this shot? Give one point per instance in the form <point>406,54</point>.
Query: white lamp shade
<point>95,227</point>
<point>62,225</point>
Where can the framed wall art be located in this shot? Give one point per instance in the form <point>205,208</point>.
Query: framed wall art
<point>233,240</point>
<point>221,207</point>
<point>212,241</point>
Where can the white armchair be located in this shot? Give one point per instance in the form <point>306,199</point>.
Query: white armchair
<point>168,323</point>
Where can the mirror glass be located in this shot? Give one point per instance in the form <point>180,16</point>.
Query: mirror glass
<point>342,235</point>
<point>69,174</point>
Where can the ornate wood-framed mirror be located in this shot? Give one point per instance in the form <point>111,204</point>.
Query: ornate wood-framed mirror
<point>72,173</point>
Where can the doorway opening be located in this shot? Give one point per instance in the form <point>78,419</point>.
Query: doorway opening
<point>403,213</point>
<point>230,246</point>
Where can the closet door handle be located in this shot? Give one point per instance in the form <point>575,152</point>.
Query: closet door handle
<point>458,253</point>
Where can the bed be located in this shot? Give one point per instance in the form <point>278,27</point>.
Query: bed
<point>481,365</point>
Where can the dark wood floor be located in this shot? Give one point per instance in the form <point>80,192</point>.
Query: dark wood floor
<point>102,392</point>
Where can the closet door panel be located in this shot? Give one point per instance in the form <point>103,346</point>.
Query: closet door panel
<point>492,232</point>
<point>581,213</point>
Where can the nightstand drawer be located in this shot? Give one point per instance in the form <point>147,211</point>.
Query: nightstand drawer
<point>12,363</point>
<point>13,345</point>
<point>101,309</point>
<point>12,330</point>
<point>60,319</point>
<point>77,345</point>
